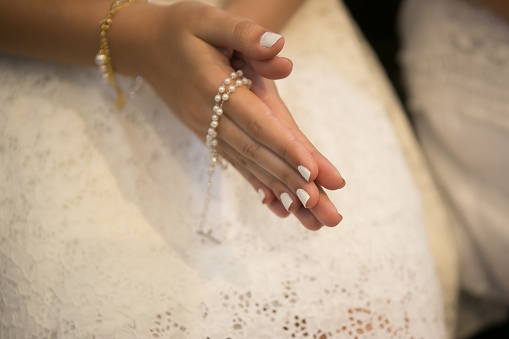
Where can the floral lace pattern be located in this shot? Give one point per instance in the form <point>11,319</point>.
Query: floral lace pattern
<point>98,211</point>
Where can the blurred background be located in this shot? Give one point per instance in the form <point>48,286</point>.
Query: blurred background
<point>377,20</point>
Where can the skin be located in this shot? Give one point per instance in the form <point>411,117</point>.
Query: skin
<point>268,13</point>
<point>184,51</point>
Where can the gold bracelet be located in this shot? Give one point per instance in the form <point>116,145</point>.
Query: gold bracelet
<point>103,57</point>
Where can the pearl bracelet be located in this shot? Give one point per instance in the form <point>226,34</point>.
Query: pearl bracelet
<point>103,57</point>
<point>236,79</point>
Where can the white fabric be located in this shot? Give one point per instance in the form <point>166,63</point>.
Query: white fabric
<point>98,211</point>
<point>456,61</point>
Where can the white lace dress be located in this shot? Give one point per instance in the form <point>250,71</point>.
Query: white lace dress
<point>456,58</point>
<point>99,207</point>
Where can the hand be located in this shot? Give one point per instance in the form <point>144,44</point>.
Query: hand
<point>179,49</point>
<point>316,215</point>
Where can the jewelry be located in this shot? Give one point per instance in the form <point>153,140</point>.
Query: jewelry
<point>103,57</point>
<point>236,79</point>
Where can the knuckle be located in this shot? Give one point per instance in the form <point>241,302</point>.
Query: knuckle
<point>285,178</point>
<point>286,151</point>
<point>196,116</point>
<point>253,129</point>
<point>241,160</point>
<point>241,28</point>
<point>204,12</point>
<point>251,150</point>
<point>275,185</point>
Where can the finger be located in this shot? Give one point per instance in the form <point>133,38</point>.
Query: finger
<point>274,68</point>
<point>265,194</point>
<point>328,176</point>
<point>278,208</point>
<point>305,216</point>
<point>261,125</point>
<point>287,197</point>
<point>238,33</point>
<point>308,219</point>
<point>325,211</point>
<point>231,134</point>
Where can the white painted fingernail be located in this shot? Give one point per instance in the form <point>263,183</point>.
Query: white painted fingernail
<point>286,200</point>
<point>303,196</point>
<point>261,194</point>
<point>304,172</point>
<point>268,39</point>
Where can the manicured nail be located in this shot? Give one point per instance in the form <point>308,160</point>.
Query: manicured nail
<point>268,39</point>
<point>286,200</point>
<point>303,196</point>
<point>304,172</point>
<point>340,216</point>
<point>261,194</point>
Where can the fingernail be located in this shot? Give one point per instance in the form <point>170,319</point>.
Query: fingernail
<point>340,215</point>
<point>286,200</point>
<point>344,183</point>
<point>304,172</point>
<point>303,196</point>
<point>268,39</point>
<point>261,194</point>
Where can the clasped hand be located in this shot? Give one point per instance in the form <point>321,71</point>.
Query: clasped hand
<point>185,51</point>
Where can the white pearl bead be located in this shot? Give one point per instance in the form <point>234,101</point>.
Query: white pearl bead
<point>238,83</point>
<point>219,111</point>
<point>233,74</point>
<point>215,117</point>
<point>217,98</point>
<point>214,142</point>
<point>215,108</point>
<point>245,81</point>
<point>211,131</point>
<point>221,89</point>
<point>208,137</point>
<point>208,142</point>
<point>231,89</point>
<point>100,59</point>
<point>214,124</point>
<point>227,81</point>
<point>240,73</point>
<point>225,97</point>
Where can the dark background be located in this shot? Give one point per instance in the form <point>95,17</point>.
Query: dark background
<point>377,20</point>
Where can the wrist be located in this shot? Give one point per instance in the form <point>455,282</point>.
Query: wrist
<point>130,38</point>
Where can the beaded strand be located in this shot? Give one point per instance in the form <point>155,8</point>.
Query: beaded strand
<point>236,79</point>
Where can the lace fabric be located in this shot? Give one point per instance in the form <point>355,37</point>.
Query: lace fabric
<point>99,207</point>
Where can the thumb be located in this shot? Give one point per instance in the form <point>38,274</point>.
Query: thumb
<point>226,30</point>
